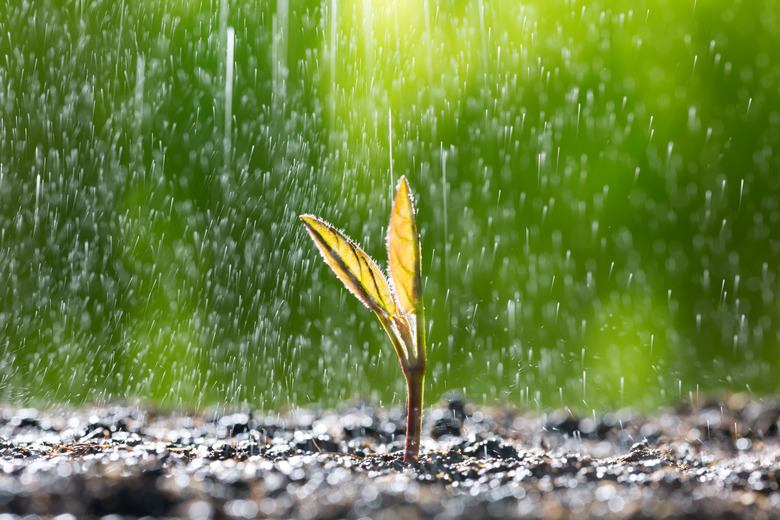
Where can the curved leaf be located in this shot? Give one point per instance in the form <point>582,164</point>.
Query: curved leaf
<point>352,265</point>
<point>403,245</point>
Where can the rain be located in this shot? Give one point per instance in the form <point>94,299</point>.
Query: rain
<point>596,186</point>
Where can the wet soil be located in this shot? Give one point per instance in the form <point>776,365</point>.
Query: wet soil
<point>718,460</point>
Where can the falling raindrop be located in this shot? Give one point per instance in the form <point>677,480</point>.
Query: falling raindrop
<point>152,167</point>
<point>227,141</point>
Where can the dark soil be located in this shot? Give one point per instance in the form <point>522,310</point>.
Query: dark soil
<point>721,460</point>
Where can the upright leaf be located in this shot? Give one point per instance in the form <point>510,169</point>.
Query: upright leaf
<point>403,245</point>
<point>352,265</point>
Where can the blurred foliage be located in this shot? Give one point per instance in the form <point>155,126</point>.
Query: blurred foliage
<point>597,189</point>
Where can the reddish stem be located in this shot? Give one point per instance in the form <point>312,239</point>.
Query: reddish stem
<point>414,388</point>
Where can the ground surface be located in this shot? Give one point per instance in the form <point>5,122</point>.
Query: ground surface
<point>720,460</point>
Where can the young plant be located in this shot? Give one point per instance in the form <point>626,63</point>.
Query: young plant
<point>399,306</point>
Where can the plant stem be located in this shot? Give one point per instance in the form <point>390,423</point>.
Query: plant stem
<point>414,389</point>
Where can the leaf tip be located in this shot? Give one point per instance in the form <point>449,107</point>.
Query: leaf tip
<point>310,221</point>
<point>403,184</point>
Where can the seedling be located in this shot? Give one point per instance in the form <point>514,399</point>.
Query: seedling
<point>398,303</point>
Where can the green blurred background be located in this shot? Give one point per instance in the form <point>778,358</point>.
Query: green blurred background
<point>598,191</point>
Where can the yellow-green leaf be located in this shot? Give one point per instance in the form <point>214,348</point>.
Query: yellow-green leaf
<point>403,245</point>
<point>352,265</point>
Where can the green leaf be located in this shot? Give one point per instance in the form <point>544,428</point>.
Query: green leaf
<point>353,266</point>
<point>403,245</point>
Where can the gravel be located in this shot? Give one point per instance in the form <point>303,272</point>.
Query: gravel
<point>717,460</point>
